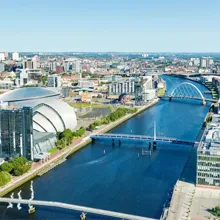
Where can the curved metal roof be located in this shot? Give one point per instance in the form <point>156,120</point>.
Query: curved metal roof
<point>53,116</point>
<point>27,94</point>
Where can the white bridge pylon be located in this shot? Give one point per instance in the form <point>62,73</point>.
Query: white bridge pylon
<point>155,131</point>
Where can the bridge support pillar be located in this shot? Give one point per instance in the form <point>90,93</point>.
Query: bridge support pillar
<point>119,143</point>
<point>203,102</point>
<point>113,142</point>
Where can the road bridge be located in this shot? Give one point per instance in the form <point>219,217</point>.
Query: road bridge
<point>83,209</point>
<point>187,90</point>
<point>188,97</point>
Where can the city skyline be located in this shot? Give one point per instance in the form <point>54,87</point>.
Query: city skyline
<point>125,26</point>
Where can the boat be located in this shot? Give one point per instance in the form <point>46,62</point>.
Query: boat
<point>31,210</point>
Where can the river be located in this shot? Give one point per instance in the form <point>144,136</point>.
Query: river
<point>119,180</point>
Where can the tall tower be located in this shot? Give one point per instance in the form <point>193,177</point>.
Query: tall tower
<point>137,88</point>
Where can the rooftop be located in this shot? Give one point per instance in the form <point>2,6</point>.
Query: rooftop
<point>27,94</point>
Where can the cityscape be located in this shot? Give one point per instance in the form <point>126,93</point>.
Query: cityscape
<point>91,130</point>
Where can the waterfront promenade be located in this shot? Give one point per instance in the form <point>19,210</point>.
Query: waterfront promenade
<point>77,144</point>
<point>180,204</point>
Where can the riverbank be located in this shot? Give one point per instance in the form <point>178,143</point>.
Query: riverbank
<point>58,157</point>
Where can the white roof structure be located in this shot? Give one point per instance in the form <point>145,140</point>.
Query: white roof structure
<point>53,116</point>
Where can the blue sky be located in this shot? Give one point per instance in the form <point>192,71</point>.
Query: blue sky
<point>110,25</point>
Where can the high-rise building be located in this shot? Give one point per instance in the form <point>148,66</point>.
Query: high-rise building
<point>2,56</point>
<point>53,66</point>
<point>15,56</point>
<point>77,66</point>
<point>16,129</point>
<point>65,92</point>
<point>6,54</point>
<point>206,62</point>
<point>2,67</point>
<point>127,87</point>
<point>59,69</point>
<point>66,66</point>
<point>54,81</point>
<point>195,61</point>
<point>30,64</point>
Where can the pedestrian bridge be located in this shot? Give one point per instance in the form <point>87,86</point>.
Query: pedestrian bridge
<point>83,209</point>
<point>140,138</point>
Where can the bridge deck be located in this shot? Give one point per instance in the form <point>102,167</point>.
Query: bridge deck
<point>141,137</point>
<point>188,97</point>
<point>76,208</point>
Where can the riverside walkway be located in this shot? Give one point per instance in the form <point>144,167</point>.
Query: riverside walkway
<point>140,137</point>
<point>75,208</point>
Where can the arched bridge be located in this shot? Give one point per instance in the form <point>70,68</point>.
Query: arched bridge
<point>187,90</point>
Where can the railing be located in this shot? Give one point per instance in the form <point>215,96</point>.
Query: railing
<point>141,137</point>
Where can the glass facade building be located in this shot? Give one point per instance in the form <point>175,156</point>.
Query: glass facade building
<point>16,130</point>
<point>208,167</point>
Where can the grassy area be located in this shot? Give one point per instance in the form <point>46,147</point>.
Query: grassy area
<point>53,150</point>
<point>161,92</point>
<point>93,105</point>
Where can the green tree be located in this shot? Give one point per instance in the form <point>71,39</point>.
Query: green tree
<point>44,80</point>
<point>8,167</point>
<point>20,170</point>
<point>92,127</point>
<point>18,161</point>
<point>60,143</point>
<point>5,178</point>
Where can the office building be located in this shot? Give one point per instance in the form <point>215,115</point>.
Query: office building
<point>149,95</point>
<point>54,81</point>
<point>6,54</point>
<point>112,78</point>
<point>30,64</point>
<point>16,129</point>
<point>2,67</point>
<point>208,155</point>
<point>206,62</point>
<point>22,77</point>
<point>195,61</point>
<point>86,84</point>
<point>127,87</point>
<point>53,66</point>
<point>6,84</point>
<point>15,56</point>
<point>66,66</point>
<point>77,66</point>
<point>2,56</point>
<point>65,92</point>
<point>59,69</point>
